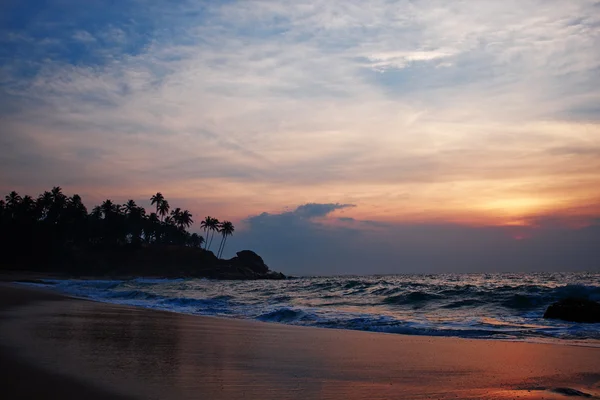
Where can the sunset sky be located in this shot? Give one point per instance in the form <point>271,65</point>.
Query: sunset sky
<point>339,136</point>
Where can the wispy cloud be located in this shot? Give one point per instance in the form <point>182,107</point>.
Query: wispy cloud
<point>410,110</point>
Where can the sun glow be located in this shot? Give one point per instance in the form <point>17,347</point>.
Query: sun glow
<point>519,206</point>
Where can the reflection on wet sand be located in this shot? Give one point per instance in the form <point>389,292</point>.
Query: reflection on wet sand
<point>164,355</point>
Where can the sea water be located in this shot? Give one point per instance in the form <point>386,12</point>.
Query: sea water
<point>486,306</point>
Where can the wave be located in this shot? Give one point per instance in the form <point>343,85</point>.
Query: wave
<point>205,304</point>
<point>523,301</point>
<point>280,299</point>
<point>412,298</point>
<point>132,295</point>
<point>89,284</point>
<point>584,291</point>
<point>155,281</point>
<point>284,315</point>
<point>463,303</point>
<point>484,305</point>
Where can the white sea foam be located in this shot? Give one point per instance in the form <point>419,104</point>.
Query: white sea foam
<point>503,306</point>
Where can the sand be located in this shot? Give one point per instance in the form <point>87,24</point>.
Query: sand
<point>57,347</point>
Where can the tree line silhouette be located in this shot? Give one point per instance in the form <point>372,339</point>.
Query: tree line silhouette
<point>54,226</point>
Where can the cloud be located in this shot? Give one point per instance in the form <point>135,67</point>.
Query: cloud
<point>384,61</point>
<point>83,36</point>
<point>313,210</point>
<point>414,111</point>
<point>298,245</point>
<point>303,215</point>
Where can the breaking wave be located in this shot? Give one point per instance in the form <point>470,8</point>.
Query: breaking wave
<point>506,306</point>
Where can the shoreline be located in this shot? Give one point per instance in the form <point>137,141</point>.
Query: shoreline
<point>36,281</point>
<point>549,341</point>
<point>133,351</point>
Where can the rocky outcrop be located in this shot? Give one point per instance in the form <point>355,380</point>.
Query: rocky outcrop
<point>245,265</point>
<point>574,310</point>
<point>173,262</point>
<point>251,260</point>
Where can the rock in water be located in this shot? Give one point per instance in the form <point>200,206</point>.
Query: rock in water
<point>574,310</point>
<point>251,260</point>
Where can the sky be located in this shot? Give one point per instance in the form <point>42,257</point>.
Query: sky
<point>340,136</point>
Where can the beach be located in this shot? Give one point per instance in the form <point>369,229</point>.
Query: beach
<point>61,347</point>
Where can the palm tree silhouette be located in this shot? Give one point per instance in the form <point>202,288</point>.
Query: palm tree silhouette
<point>196,240</point>
<point>205,224</point>
<point>76,211</point>
<point>185,219</point>
<point>57,194</point>
<point>130,206</point>
<point>96,212</point>
<point>226,229</point>
<point>151,228</point>
<point>13,200</point>
<point>153,218</point>
<point>157,199</point>
<point>27,208</point>
<point>108,207</point>
<point>44,203</point>
<point>213,226</point>
<point>55,225</point>
<point>176,216</point>
<point>118,209</point>
<point>163,209</point>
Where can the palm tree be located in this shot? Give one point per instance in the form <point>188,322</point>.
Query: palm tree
<point>186,218</point>
<point>135,220</point>
<point>226,229</point>
<point>57,194</point>
<point>213,226</point>
<point>27,208</point>
<point>75,200</point>
<point>163,209</point>
<point>206,226</point>
<point>157,199</point>
<point>118,209</point>
<point>75,207</point>
<point>44,203</point>
<point>153,218</point>
<point>176,215</point>
<point>13,200</point>
<point>57,205</point>
<point>74,217</point>
<point>129,206</point>
<point>196,240</point>
<point>152,227</point>
<point>96,212</point>
<point>108,207</point>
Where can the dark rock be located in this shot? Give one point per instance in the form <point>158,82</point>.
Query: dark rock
<point>574,310</point>
<point>251,260</point>
<point>275,275</point>
<point>245,265</point>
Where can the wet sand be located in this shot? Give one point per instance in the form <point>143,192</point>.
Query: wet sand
<point>57,347</point>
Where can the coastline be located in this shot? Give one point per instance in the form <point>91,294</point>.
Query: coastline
<point>136,352</point>
<point>480,307</point>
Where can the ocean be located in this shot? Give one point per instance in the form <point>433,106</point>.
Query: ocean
<point>481,306</point>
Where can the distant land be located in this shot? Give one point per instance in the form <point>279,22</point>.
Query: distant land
<point>54,233</point>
